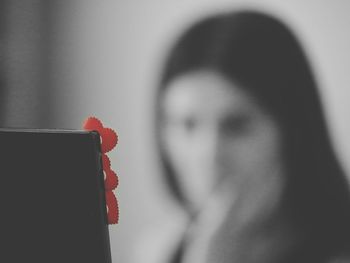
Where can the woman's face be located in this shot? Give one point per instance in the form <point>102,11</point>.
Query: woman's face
<point>212,130</point>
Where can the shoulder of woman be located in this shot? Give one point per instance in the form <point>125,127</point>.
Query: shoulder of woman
<point>157,242</point>
<point>341,258</point>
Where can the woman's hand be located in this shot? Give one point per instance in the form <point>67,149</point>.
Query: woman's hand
<point>209,221</point>
<point>239,222</point>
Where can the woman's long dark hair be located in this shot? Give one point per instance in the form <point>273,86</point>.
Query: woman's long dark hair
<point>263,56</point>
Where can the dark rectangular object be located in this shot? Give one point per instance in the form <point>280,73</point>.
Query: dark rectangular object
<point>52,202</point>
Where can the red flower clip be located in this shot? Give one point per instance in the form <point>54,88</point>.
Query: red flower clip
<point>109,140</point>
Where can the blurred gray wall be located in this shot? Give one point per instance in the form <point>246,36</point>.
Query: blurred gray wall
<point>104,58</point>
<point>25,48</point>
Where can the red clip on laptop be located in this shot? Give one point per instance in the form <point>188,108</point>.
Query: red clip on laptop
<point>53,195</point>
<point>109,141</point>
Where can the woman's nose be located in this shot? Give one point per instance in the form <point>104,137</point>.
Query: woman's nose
<point>211,146</point>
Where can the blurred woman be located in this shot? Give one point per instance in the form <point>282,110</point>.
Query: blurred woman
<point>245,148</point>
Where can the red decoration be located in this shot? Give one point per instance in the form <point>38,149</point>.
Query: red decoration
<point>105,161</point>
<point>113,209</point>
<point>108,136</point>
<point>111,181</point>
<point>109,140</point>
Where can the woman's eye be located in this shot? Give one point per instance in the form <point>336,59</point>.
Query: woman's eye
<point>189,125</point>
<point>237,125</point>
<point>180,124</point>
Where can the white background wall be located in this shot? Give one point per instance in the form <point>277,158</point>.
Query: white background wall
<point>107,62</point>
